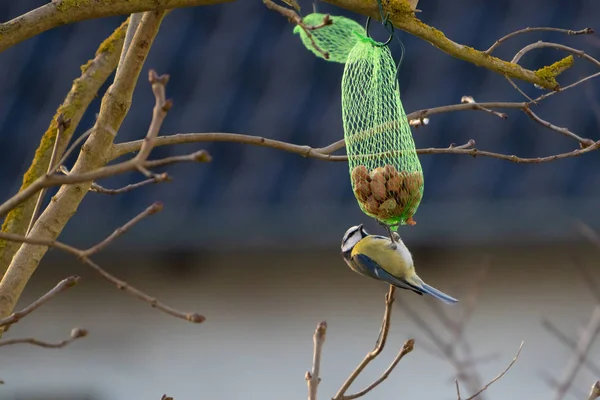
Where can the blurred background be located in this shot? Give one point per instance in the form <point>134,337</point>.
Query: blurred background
<point>251,240</point>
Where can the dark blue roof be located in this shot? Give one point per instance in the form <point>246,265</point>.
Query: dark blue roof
<point>238,68</point>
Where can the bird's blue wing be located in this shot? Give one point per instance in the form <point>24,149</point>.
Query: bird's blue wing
<point>373,269</point>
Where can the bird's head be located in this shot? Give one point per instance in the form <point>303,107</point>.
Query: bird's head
<point>351,237</point>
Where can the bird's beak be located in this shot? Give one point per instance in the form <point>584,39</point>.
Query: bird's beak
<point>360,226</point>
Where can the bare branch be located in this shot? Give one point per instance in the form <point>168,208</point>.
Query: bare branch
<point>113,109</point>
<point>571,344</point>
<point>312,377</point>
<point>563,131</point>
<point>120,284</point>
<point>406,348</point>
<point>63,285</point>
<point>153,209</point>
<point>104,172</point>
<point>403,17</point>
<point>158,178</point>
<point>586,341</point>
<point>586,31</point>
<point>499,376</point>
<point>84,89</point>
<point>541,45</point>
<point>62,12</point>
<point>292,16</point>
<point>595,391</point>
<point>62,126</point>
<point>379,345</point>
<point>76,333</point>
<point>470,100</point>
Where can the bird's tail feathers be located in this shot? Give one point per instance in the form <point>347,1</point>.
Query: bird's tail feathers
<point>437,294</point>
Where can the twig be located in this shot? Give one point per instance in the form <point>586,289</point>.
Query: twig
<point>585,343</point>
<point>595,391</point>
<point>541,45</point>
<point>564,339</point>
<point>292,16</point>
<point>562,89</point>
<point>104,172</point>
<point>62,125</point>
<point>159,112</point>
<point>379,345</point>
<point>63,285</point>
<point>406,348</point>
<point>122,285</point>
<point>563,131</point>
<point>471,100</point>
<point>113,110</point>
<point>76,333</point>
<point>586,31</point>
<point>499,376</point>
<point>158,178</point>
<point>312,377</point>
<point>457,389</point>
<point>83,91</point>
<point>153,209</point>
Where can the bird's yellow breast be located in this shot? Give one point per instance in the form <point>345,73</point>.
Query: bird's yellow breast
<point>391,260</point>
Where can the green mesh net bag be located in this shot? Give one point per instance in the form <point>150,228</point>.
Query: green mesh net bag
<point>385,171</point>
<point>336,39</point>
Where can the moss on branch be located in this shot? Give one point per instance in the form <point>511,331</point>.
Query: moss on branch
<point>84,89</point>
<point>403,17</point>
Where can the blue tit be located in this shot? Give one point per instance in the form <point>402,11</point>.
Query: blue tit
<point>379,258</point>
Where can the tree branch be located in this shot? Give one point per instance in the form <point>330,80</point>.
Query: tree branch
<point>585,31</point>
<point>406,348</point>
<point>63,285</point>
<point>379,345</point>
<point>84,255</point>
<point>114,107</point>
<point>76,333</point>
<point>312,377</point>
<point>586,341</point>
<point>403,17</point>
<point>595,391</point>
<point>63,12</point>
<point>490,383</point>
<point>83,91</point>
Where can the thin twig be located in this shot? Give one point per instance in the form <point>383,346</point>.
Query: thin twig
<point>157,178</point>
<point>406,348</point>
<point>104,172</point>
<point>312,377</point>
<point>457,389</point>
<point>584,344</point>
<point>379,345</point>
<point>62,124</point>
<point>122,285</point>
<point>63,285</point>
<point>471,100</point>
<point>500,375</point>
<point>563,131</point>
<point>571,344</point>
<point>292,16</point>
<point>541,45</point>
<point>76,333</point>
<point>153,209</point>
<point>586,31</point>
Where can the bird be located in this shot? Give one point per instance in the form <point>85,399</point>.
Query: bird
<point>387,260</point>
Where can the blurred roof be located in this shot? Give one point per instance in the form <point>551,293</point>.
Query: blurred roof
<point>238,68</point>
